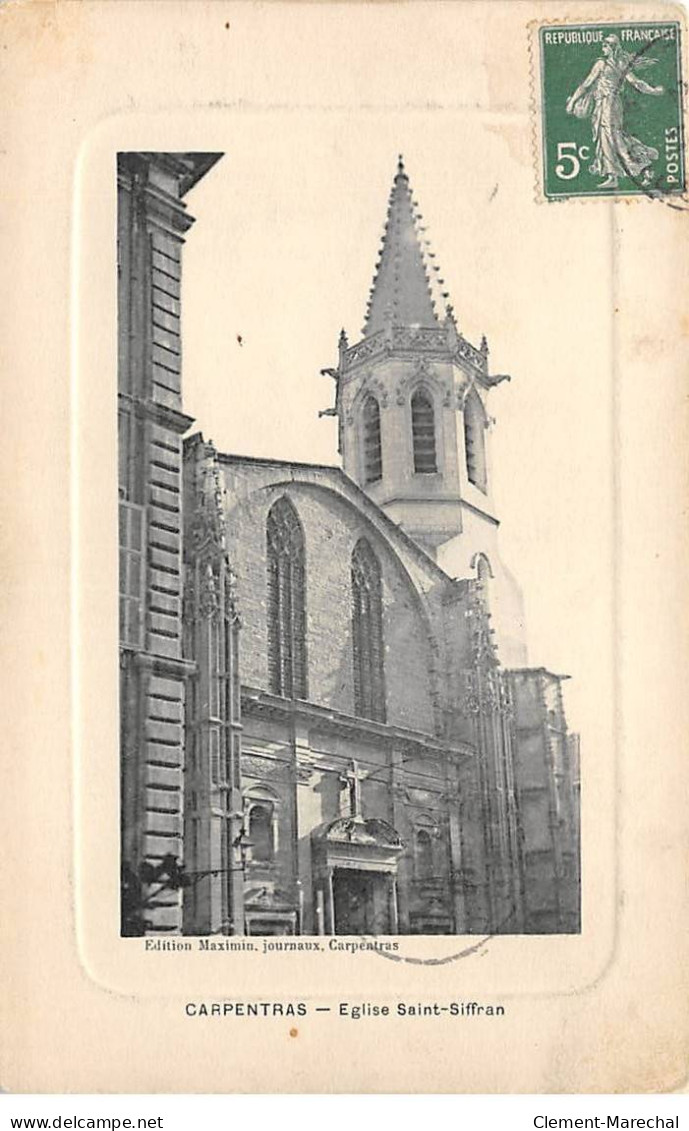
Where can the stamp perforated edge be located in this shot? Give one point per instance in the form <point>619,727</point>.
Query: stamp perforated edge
<point>677,200</point>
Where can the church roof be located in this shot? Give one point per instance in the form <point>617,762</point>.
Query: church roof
<point>405,284</point>
<point>301,472</point>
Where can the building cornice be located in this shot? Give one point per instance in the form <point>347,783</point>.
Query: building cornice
<point>406,343</point>
<point>168,417</point>
<point>258,702</point>
<point>160,665</point>
<point>186,168</point>
<point>443,500</point>
<point>477,510</point>
<point>537,671</point>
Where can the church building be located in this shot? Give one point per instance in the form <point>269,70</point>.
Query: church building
<point>329,724</point>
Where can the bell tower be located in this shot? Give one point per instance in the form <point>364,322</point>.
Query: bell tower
<point>412,401</point>
<point>412,393</point>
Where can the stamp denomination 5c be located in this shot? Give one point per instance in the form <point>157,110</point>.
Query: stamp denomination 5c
<point>611,110</point>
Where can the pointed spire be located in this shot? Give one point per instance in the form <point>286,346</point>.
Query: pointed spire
<point>402,291</point>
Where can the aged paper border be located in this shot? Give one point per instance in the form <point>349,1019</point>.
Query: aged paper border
<point>87,1016</point>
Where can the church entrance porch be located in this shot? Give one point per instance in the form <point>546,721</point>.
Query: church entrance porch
<point>364,902</point>
<point>355,876</point>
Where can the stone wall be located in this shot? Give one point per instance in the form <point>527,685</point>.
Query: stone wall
<point>331,529</point>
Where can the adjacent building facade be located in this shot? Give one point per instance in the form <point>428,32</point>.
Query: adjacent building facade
<point>329,725</point>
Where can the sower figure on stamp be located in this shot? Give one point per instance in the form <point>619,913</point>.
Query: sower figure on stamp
<point>600,96</point>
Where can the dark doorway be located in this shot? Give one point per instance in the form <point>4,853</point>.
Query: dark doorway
<point>362,902</point>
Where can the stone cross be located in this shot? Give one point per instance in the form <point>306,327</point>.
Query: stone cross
<point>354,780</point>
<point>351,783</point>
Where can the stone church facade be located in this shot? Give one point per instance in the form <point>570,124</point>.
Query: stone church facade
<point>329,725</point>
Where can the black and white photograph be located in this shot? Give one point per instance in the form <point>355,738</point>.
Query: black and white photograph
<point>330,723</point>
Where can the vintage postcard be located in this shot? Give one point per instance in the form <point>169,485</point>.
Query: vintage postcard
<point>344,570</point>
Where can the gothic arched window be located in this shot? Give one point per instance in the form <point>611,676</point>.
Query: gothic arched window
<point>373,452</point>
<point>423,432</point>
<point>367,633</point>
<point>474,441</point>
<point>286,602</point>
<point>260,833</point>
<point>423,859</point>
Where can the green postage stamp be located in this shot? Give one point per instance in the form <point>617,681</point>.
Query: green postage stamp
<point>611,110</point>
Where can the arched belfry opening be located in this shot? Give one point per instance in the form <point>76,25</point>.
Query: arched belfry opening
<point>475,441</point>
<point>423,433</point>
<point>371,440</point>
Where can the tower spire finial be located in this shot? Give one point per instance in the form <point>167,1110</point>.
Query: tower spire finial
<point>405,287</point>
